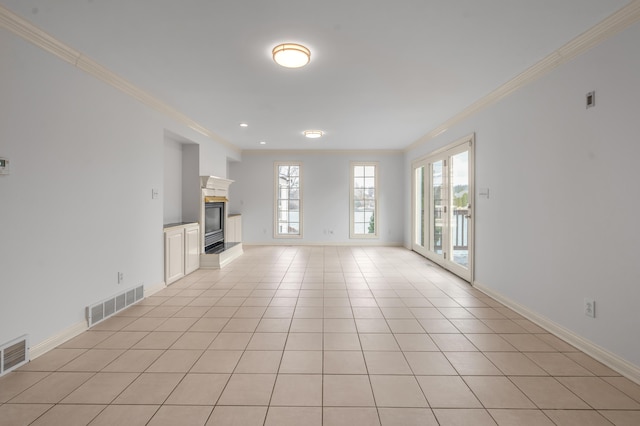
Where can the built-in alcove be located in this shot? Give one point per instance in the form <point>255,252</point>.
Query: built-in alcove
<point>181,192</point>
<point>180,196</point>
<point>184,195</point>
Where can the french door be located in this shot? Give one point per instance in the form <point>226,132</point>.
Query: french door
<point>442,207</point>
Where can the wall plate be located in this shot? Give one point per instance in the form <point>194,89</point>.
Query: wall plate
<point>589,307</point>
<point>4,166</point>
<point>591,99</point>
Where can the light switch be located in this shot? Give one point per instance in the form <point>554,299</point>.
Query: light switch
<point>154,194</point>
<point>4,166</point>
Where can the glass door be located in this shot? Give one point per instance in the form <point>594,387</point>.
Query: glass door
<point>437,203</point>
<point>442,215</point>
<point>459,208</point>
<point>419,205</point>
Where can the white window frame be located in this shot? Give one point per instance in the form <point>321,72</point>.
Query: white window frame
<point>376,215</point>
<point>276,193</point>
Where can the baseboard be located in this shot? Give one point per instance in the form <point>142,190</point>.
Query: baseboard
<point>226,261</point>
<point>153,289</point>
<point>69,333</point>
<point>56,340</point>
<point>611,360</point>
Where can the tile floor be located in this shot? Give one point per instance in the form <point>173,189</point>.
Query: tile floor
<point>318,336</point>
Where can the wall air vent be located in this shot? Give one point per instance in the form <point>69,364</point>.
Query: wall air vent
<point>13,354</point>
<point>103,310</point>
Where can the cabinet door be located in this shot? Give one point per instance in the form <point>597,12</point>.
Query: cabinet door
<point>233,231</point>
<point>173,255</point>
<point>230,230</point>
<point>192,249</point>
<point>238,230</point>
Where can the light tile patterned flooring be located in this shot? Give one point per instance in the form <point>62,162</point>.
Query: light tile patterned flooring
<point>318,336</point>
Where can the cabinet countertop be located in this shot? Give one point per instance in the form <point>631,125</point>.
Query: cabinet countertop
<point>177,224</point>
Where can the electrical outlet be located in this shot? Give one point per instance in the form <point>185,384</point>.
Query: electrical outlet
<point>591,99</point>
<point>120,277</point>
<point>590,307</point>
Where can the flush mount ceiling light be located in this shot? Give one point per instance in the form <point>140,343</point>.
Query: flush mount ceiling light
<point>313,134</point>
<point>244,125</point>
<point>263,143</point>
<point>291,55</point>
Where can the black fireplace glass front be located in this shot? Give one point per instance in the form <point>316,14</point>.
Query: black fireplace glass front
<point>213,224</point>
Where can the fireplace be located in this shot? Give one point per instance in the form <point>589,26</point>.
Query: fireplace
<point>219,232</point>
<point>214,216</point>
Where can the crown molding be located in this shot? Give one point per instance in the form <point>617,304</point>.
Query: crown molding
<point>33,34</point>
<point>29,32</point>
<point>610,26</point>
<point>607,28</point>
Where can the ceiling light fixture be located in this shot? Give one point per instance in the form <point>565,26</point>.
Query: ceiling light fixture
<point>291,55</point>
<point>263,143</point>
<point>313,134</point>
<point>244,125</point>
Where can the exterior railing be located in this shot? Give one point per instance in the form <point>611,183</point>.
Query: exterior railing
<point>460,237</point>
<point>460,226</point>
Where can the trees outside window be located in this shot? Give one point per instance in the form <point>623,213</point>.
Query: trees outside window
<point>288,200</point>
<point>364,200</point>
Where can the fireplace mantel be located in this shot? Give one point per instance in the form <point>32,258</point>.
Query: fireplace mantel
<point>215,183</point>
<point>216,189</point>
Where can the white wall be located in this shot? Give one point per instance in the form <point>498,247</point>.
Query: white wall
<point>191,192</point>
<point>213,159</point>
<point>181,180</point>
<point>77,207</point>
<point>562,222</point>
<point>325,180</point>
<point>172,181</point>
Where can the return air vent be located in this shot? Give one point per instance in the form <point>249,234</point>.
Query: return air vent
<point>103,310</point>
<point>13,354</point>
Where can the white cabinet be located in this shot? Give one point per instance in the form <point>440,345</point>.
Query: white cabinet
<point>233,230</point>
<point>181,251</point>
<point>191,248</point>
<point>173,254</point>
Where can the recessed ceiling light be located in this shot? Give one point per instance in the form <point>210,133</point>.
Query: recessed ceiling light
<point>313,134</point>
<point>291,55</point>
<point>263,143</point>
<point>244,125</point>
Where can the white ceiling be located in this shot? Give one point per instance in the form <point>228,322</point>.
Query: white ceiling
<point>383,73</point>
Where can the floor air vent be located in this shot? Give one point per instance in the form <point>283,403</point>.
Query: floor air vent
<point>13,354</point>
<point>108,307</point>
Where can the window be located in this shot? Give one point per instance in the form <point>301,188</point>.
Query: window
<point>364,200</point>
<point>288,200</point>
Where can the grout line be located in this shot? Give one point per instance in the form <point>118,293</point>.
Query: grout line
<point>376,275</point>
